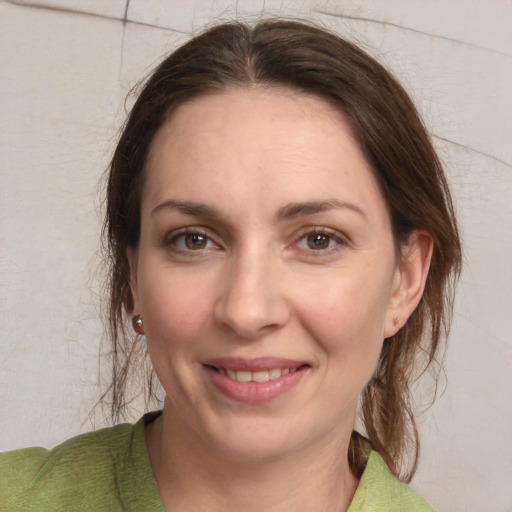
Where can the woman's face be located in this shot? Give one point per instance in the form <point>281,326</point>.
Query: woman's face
<point>265,273</point>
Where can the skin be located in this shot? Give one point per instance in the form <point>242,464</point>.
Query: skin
<point>250,282</point>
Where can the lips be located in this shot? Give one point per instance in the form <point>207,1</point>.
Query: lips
<point>254,380</point>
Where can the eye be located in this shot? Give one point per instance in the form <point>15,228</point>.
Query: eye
<point>320,240</point>
<point>189,241</point>
<point>192,241</point>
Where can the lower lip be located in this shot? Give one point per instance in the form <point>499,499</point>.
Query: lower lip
<point>254,392</point>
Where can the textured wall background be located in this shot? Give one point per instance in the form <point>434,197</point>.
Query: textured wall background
<point>66,68</point>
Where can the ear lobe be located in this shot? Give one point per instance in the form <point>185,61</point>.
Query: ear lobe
<point>132,255</point>
<point>409,281</point>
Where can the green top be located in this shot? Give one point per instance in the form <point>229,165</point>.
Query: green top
<point>109,470</point>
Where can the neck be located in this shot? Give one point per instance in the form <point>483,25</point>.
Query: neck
<point>314,478</point>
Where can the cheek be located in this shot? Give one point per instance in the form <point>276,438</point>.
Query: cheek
<point>349,308</point>
<point>174,319</point>
<point>175,311</point>
<point>346,319</point>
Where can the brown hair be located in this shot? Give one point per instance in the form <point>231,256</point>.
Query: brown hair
<point>388,128</point>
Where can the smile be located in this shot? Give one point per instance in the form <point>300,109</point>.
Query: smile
<point>258,376</point>
<point>255,380</point>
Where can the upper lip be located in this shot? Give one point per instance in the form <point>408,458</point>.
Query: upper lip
<point>253,364</point>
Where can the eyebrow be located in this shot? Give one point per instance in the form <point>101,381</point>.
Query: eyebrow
<point>288,211</point>
<point>293,210</point>
<point>188,208</point>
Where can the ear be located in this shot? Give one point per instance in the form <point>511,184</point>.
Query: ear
<point>132,255</point>
<point>409,281</point>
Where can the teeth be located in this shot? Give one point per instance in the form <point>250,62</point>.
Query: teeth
<point>243,376</point>
<point>275,373</point>
<point>259,376</point>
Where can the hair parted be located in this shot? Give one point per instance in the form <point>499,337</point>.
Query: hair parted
<point>388,128</point>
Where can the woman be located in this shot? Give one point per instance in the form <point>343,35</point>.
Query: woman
<point>281,235</point>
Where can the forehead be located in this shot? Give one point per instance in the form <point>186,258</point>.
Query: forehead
<point>255,107</point>
<point>259,142</point>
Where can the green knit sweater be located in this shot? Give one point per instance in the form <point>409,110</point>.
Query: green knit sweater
<point>109,470</point>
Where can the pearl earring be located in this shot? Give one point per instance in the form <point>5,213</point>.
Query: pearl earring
<point>138,324</point>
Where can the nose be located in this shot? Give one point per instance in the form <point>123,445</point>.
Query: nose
<point>251,303</point>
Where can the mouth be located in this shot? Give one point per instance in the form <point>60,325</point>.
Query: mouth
<point>255,380</point>
<point>257,376</point>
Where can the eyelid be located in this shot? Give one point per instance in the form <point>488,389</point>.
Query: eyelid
<point>174,234</point>
<point>341,239</point>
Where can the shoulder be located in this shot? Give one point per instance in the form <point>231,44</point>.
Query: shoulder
<point>84,473</point>
<point>379,491</point>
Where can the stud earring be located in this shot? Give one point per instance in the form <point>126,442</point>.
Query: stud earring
<point>138,324</point>
<point>396,321</point>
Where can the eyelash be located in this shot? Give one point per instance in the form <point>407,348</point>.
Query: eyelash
<point>321,231</point>
<point>171,240</point>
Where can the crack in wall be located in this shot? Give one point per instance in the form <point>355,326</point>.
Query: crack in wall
<point>409,29</point>
<point>60,9</point>
<point>124,19</point>
<point>127,6</point>
<point>123,33</point>
<point>160,27</point>
<point>64,10</point>
<point>470,148</point>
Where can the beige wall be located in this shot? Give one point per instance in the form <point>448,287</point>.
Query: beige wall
<point>66,68</point>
